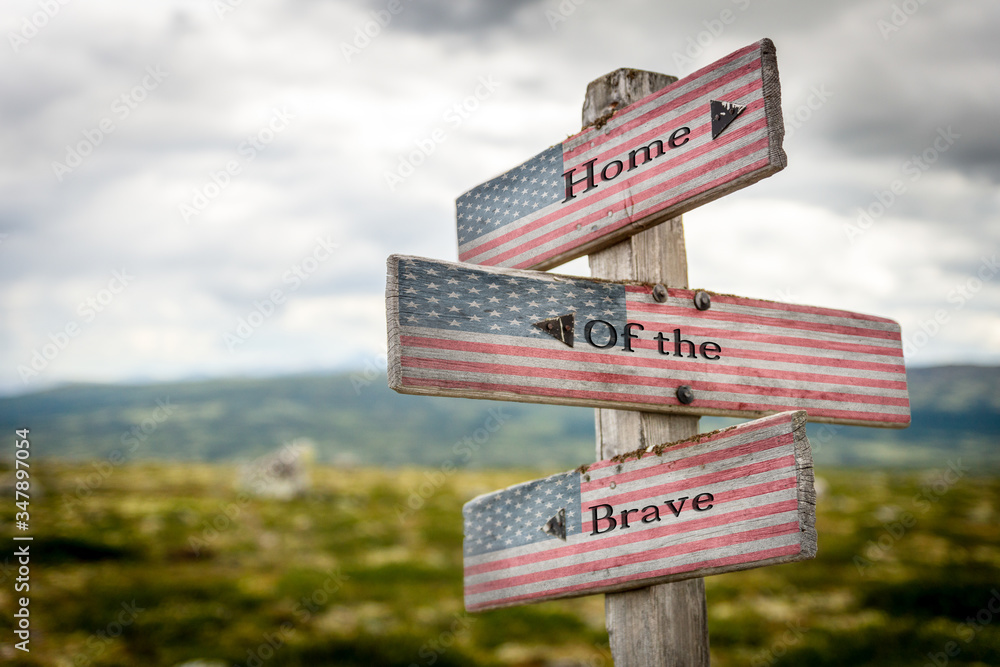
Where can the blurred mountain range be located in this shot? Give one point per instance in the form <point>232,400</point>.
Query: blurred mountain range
<point>354,419</point>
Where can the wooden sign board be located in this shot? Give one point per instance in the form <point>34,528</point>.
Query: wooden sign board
<point>730,500</point>
<point>505,334</point>
<point>708,134</point>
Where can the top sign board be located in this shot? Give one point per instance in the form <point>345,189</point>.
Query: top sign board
<point>708,134</point>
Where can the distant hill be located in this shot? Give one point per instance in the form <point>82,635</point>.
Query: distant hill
<point>357,420</point>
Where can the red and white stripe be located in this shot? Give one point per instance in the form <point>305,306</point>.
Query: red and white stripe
<point>667,182</point>
<point>841,367</point>
<point>757,476</point>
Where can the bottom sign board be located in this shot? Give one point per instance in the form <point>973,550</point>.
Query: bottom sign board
<point>733,499</point>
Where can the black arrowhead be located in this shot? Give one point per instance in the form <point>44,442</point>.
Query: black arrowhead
<point>556,526</point>
<point>723,113</point>
<point>561,328</point>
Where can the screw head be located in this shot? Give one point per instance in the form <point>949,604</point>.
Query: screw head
<point>702,300</point>
<point>550,326</point>
<point>685,394</point>
<point>567,327</point>
<point>659,293</point>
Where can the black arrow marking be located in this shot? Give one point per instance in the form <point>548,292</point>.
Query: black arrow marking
<point>561,328</point>
<point>723,113</point>
<point>556,526</point>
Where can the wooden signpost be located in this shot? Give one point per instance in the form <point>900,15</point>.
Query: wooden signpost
<point>729,500</point>
<point>645,523</point>
<point>506,334</point>
<point>708,134</point>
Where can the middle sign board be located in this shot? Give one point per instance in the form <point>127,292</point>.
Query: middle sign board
<point>506,334</point>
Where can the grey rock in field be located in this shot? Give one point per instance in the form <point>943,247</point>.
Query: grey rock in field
<point>283,474</point>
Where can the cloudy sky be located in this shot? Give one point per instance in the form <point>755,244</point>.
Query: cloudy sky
<point>168,168</point>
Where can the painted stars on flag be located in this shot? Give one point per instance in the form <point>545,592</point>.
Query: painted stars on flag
<point>527,188</point>
<point>468,299</point>
<point>514,517</point>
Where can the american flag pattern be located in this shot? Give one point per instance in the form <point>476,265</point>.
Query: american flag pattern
<point>762,512</point>
<point>463,330</point>
<point>519,219</point>
<point>492,523</point>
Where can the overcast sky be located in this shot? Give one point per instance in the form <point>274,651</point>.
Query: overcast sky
<point>167,165</point>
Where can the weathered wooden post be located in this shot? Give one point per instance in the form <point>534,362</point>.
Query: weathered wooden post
<point>657,255</point>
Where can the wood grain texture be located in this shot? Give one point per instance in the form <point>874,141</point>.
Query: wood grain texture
<point>772,104</point>
<point>655,255</point>
<point>806,485</point>
<point>729,500</point>
<point>616,90</point>
<point>524,220</point>
<point>394,370</point>
<point>468,331</point>
<point>677,609</point>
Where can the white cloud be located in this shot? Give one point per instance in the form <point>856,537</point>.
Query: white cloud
<point>324,174</point>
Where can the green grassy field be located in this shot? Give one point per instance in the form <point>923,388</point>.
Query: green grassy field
<point>166,564</point>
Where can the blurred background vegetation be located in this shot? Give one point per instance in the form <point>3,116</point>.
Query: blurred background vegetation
<point>138,559</point>
<point>356,418</point>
